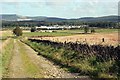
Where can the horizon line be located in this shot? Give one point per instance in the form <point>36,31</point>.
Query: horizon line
<point>58,16</point>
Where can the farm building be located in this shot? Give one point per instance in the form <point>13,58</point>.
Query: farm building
<point>58,27</point>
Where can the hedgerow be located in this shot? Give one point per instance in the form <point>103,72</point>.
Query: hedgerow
<point>92,60</point>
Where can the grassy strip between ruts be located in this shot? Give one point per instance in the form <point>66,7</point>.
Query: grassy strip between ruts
<point>7,56</point>
<point>31,69</point>
<point>64,57</point>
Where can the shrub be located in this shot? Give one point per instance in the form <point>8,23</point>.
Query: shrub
<point>92,30</point>
<point>17,31</point>
<point>33,29</point>
<point>86,29</point>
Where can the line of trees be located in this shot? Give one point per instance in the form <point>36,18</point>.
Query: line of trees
<point>103,24</point>
<point>69,23</point>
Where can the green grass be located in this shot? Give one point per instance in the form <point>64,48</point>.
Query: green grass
<point>59,32</point>
<point>7,33</point>
<point>106,30</point>
<point>98,30</point>
<point>72,31</point>
<point>29,66</point>
<point>66,32</point>
<point>6,57</point>
<point>46,34</point>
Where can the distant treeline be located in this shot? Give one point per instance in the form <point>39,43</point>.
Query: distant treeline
<point>9,24</point>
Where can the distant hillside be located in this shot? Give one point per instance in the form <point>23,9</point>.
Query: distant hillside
<point>14,17</point>
<point>49,19</point>
<point>9,17</point>
<point>97,19</point>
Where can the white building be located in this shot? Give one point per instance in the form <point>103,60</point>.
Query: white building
<point>56,27</point>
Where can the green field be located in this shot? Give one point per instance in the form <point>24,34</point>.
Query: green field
<point>98,30</point>
<point>106,30</point>
<point>66,32</point>
<point>46,34</point>
<point>56,32</point>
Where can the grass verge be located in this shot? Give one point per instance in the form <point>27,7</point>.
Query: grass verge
<point>6,57</point>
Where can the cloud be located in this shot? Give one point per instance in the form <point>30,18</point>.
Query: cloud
<point>63,8</point>
<point>58,2</point>
<point>95,8</point>
<point>22,0</point>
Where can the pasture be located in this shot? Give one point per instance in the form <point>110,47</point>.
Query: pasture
<point>67,32</point>
<point>29,34</point>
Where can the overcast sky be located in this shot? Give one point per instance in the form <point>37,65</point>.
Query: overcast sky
<point>60,8</point>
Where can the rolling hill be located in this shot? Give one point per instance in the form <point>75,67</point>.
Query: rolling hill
<point>14,17</point>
